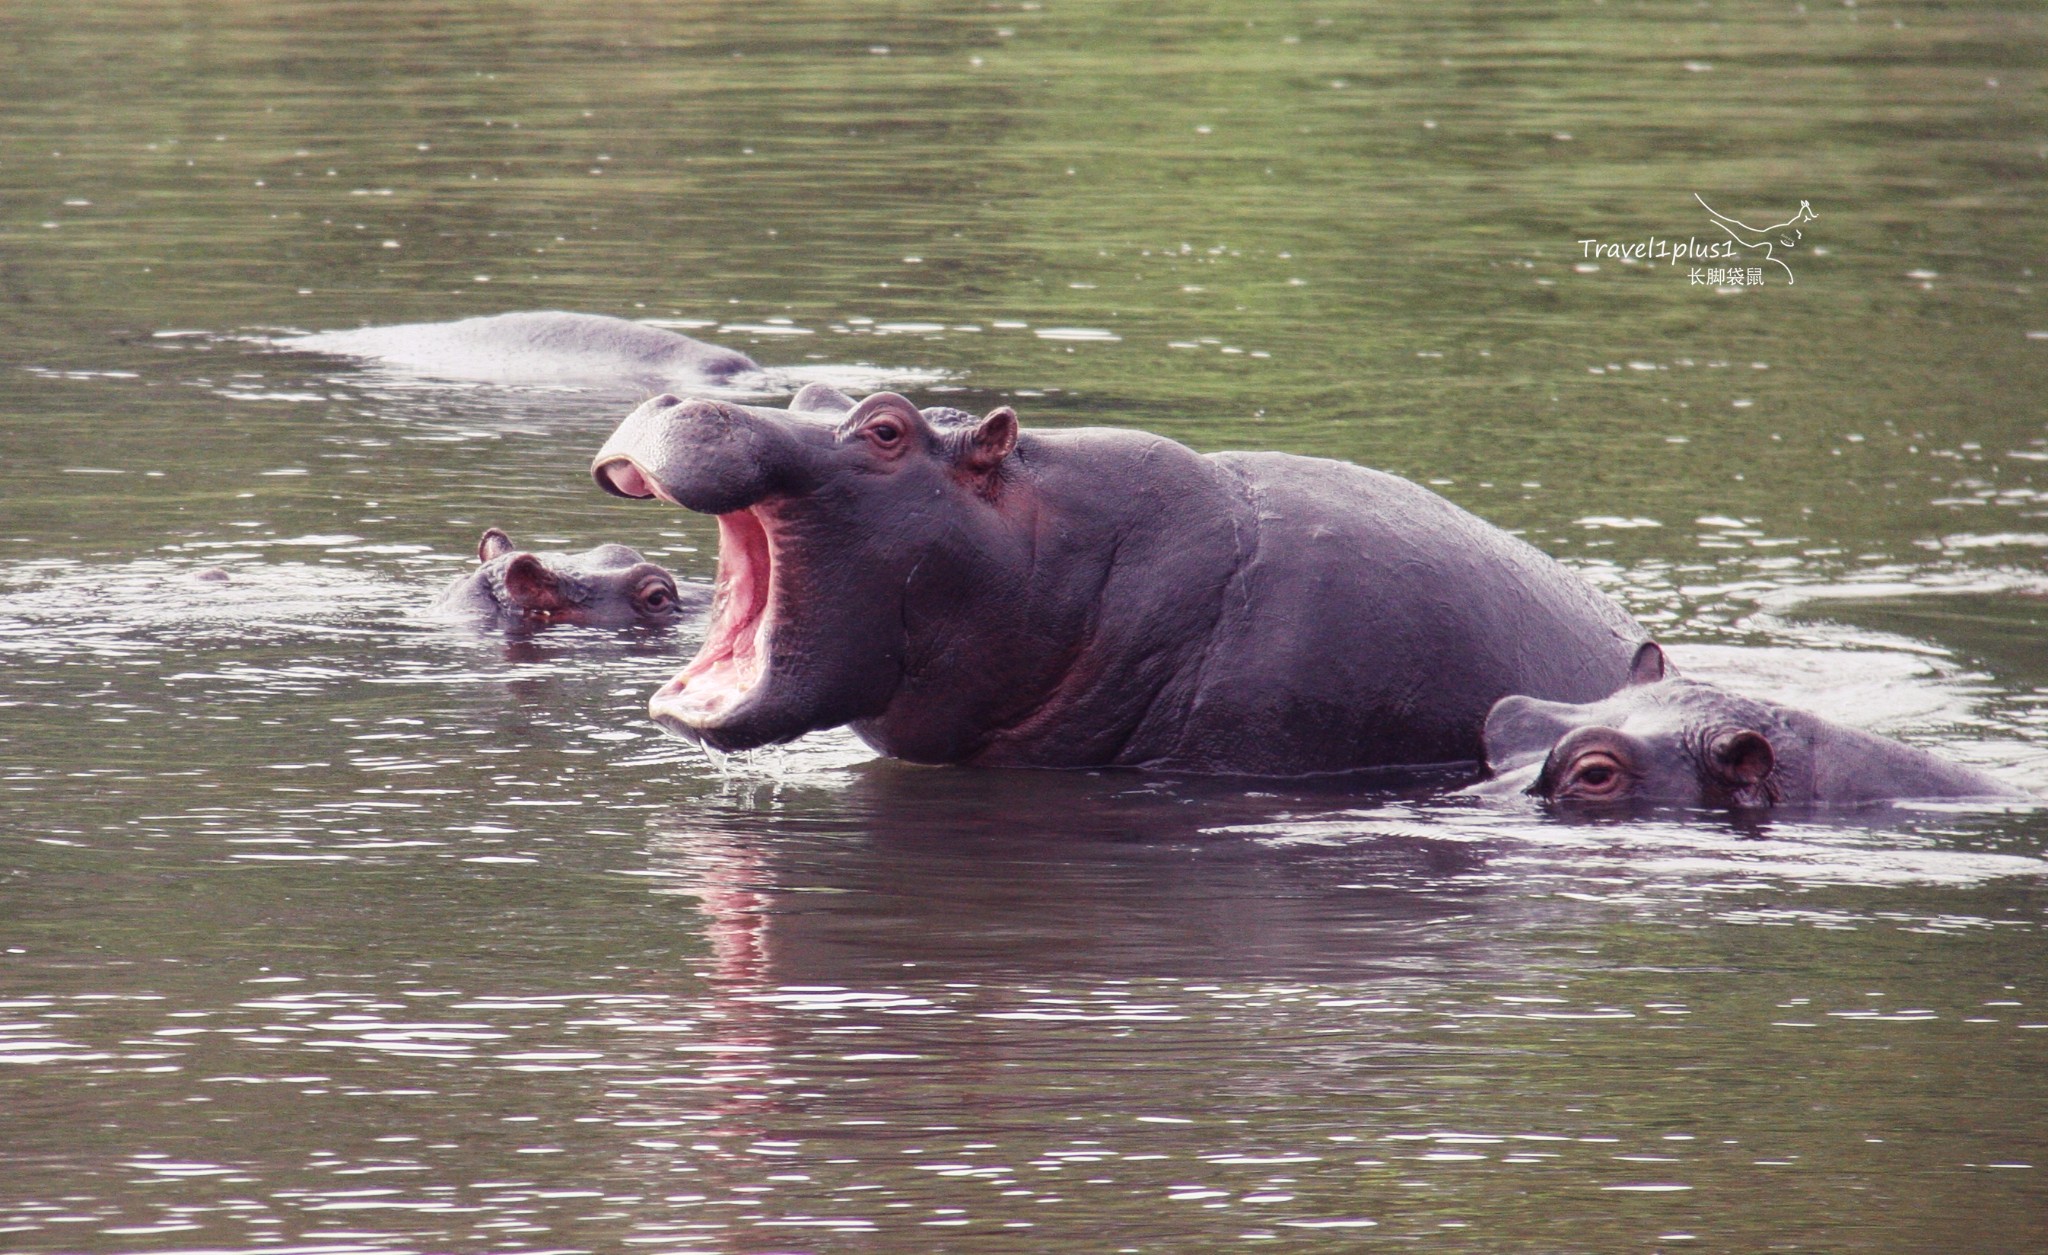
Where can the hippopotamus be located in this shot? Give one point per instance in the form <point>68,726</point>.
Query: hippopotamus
<point>959,590</point>
<point>609,586</point>
<point>1663,739</point>
<point>546,347</point>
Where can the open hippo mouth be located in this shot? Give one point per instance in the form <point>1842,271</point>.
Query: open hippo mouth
<point>807,619</point>
<point>733,661</point>
<point>732,664</point>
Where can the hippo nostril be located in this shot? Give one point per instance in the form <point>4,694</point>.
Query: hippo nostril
<point>666,401</point>
<point>621,477</point>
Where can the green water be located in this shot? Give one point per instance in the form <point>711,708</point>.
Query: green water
<point>328,929</point>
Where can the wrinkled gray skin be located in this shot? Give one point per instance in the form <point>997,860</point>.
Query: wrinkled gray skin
<point>609,586</point>
<point>1664,740</point>
<point>549,347</point>
<point>961,592</point>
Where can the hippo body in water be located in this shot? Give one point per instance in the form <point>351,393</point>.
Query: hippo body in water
<point>961,592</point>
<point>547,347</point>
<point>1670,741</point>
<point>609,586</point>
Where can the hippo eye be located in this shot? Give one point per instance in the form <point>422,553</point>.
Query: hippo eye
<point>656,597</point>
<point>884,433</point>
<point>1594,775</point>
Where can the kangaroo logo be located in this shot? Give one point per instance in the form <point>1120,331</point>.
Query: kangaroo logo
<point>1785,235</point>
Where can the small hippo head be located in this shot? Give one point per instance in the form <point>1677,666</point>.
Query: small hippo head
<point>850,539</point>
<point>1660,740</point>
<point>609,586</point>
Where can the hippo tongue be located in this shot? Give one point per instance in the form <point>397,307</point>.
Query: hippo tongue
<point>734,658</point>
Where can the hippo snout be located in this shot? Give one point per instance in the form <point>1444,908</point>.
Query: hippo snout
<point>700,454</point>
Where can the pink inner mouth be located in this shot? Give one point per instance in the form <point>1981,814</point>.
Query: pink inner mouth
<point>734,657</point>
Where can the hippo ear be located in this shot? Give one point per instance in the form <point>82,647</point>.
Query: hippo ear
<point>1520,730</point>
<point>495,544</point>
<point>532,587</point>
<point>819,398</point>
<point>990,441</point>
<point>1648,665</point>
<point>1742,757</point>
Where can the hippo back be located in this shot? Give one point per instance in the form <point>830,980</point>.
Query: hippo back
<point>1846,766</point>
<point>550,347</point>
<point>1370,622</point>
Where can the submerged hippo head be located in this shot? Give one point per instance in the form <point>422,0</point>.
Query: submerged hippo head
<point>1667,740</point>
<point>609,586</point>
<point>822,611</point>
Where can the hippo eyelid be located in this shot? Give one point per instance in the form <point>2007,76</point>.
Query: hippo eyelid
<point>1575,744</point>
<point>876,406</point>
<point>1613,773</point>
<point>887,432</point>
<point>870,427</point>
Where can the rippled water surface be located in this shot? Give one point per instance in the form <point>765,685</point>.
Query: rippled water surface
<point>329,929</point>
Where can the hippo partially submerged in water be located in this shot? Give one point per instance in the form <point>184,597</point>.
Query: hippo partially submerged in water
<point>959,591</point>
<point>609,586</point>
<point>1663,739</point>
<point>542,347</point>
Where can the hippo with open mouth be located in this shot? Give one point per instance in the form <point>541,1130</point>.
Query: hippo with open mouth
<point>608,586</point>
<point>1664,740</point>
<point>958,591</point>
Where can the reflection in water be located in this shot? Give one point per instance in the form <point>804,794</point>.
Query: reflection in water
<point>1039,958</point>
<point>1038,874</point>
<point>972,874</point>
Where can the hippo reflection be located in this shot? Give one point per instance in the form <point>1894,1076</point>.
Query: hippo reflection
<point>1664,739</point>
<point>608,586</point>
<point>977,875</point>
